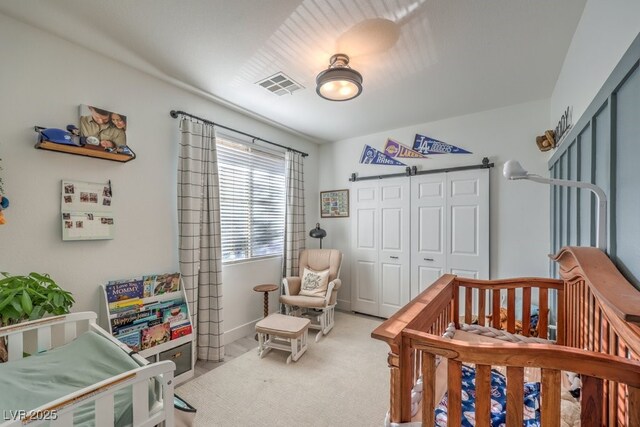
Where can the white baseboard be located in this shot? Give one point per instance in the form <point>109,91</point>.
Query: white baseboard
<point>240,331</point>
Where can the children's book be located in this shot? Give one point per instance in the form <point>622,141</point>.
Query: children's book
<point>131,339</point>
<point>175,314</point>
<point>167,283</point>
<point>120,322</point>
<point>155,335</point>
<point>127,329</point>
<point>149,284</point>
<point>124,305</point>
<point>119,291</point>
<point>180,331</point>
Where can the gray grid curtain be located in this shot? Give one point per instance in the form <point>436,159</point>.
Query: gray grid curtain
<point>199,235</point>
<point>295,231</point>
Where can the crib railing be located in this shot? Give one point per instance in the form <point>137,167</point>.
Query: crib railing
<point>602,315</point>
<point>596,310</point>
<point>449,299</point>
<point>552,359</point>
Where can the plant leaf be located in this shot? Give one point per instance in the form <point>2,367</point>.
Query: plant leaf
<point>16,306</point>
<point>8,300</point>
<point>36,313</point>
<point>27,305</point>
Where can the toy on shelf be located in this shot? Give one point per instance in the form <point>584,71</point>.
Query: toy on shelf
<point>70,141</point>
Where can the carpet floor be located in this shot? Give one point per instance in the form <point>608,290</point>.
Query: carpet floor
<point>341,381</point>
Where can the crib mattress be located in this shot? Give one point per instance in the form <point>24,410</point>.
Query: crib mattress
<point>36,380</point>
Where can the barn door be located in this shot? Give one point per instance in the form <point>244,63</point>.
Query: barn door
<point>468,229</point>
<point>428,230</point>
<point>364,247</point>
<point>394,245</point>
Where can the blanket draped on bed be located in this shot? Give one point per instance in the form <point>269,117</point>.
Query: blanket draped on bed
<point>38,379</point>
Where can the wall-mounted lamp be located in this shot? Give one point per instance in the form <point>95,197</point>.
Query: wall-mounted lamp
<point>318,233</point>
<point>339,82</point>
<point>513,170</point>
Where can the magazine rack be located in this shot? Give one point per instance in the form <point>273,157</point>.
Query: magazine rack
<point>179,350</point>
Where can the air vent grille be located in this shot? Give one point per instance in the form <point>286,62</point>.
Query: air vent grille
<point>280,84</point>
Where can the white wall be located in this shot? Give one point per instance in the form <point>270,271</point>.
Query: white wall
<point>519,210</point>
<point>43,79</point>
<point>603,35</point>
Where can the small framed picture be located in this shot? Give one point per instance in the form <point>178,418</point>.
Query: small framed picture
<point>334,204</point>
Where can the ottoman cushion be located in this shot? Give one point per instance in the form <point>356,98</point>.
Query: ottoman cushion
<point>282,326</point>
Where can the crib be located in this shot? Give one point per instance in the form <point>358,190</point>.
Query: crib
<point>50,333</point>
<point>596,335</point>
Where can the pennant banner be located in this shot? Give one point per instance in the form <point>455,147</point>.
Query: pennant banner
<point>395,149</point>
<point>374,157</point>
<point>425,145</point>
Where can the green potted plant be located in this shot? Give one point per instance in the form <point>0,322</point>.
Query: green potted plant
<point>29,298</point>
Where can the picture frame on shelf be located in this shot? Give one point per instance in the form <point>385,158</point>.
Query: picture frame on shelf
<point>334,204</point>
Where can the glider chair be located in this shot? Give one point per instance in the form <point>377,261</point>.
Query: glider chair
<point>314,293</point>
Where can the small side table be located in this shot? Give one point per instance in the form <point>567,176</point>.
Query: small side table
<point>266,289</point>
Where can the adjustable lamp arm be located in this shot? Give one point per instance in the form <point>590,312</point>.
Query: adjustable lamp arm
<point>514,171</point>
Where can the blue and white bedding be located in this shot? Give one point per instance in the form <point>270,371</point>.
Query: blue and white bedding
<point>531,410</point>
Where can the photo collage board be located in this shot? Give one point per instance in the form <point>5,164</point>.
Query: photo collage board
<point>87,211</point>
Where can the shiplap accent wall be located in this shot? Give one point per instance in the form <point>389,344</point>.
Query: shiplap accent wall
<point>603,147</point>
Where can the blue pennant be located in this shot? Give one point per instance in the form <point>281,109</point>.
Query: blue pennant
<point>425,145</point>
<point>374,157</point>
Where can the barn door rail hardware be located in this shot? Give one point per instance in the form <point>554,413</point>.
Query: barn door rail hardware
<point>411,171</point>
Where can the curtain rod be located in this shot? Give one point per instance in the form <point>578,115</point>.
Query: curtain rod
<point>410,171</point>
<point>175,114</point>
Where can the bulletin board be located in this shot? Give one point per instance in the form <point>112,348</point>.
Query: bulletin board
<point>87,211</point>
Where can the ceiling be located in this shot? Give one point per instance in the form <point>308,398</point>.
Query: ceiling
<point>422,60</point>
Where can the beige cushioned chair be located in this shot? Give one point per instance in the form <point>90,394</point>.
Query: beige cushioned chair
<point>319,309</point>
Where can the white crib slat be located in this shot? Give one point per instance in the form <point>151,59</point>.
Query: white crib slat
<point>140,402</point>
<point>105,411</point>
<point>44,338</point>
<point>15,347</point>
<point>63,420</point>
<point>69,332</point>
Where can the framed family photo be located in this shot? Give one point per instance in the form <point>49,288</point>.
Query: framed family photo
<point>102,129</point>
<point>334,204</point>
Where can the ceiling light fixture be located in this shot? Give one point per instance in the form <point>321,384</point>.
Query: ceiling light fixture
<point>339,82</point>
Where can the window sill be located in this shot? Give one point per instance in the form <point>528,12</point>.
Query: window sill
<point>250,260</point>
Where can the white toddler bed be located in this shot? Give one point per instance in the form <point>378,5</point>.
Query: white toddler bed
<point>77,375</point>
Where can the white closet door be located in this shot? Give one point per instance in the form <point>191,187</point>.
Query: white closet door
<point>394,250</point>
<point>428,230</point>
<point>365,293</point>
<point>468,230</point>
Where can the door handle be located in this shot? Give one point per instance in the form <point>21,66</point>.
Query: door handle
<point>393,257</point>
<point>428,259</point>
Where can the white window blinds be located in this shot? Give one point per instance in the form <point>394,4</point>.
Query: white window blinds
<point>252,201</point>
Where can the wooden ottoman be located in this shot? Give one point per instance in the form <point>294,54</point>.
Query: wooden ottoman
<point>282,332</point>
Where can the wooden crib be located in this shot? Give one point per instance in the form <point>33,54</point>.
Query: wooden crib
<point>597,334</point>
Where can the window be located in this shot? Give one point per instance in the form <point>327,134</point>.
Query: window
<point>252,201</point>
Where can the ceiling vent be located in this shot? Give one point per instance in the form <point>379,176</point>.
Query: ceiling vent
<point>280,84</point>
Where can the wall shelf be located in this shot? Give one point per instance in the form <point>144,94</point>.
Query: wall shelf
<point>83,151</point>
